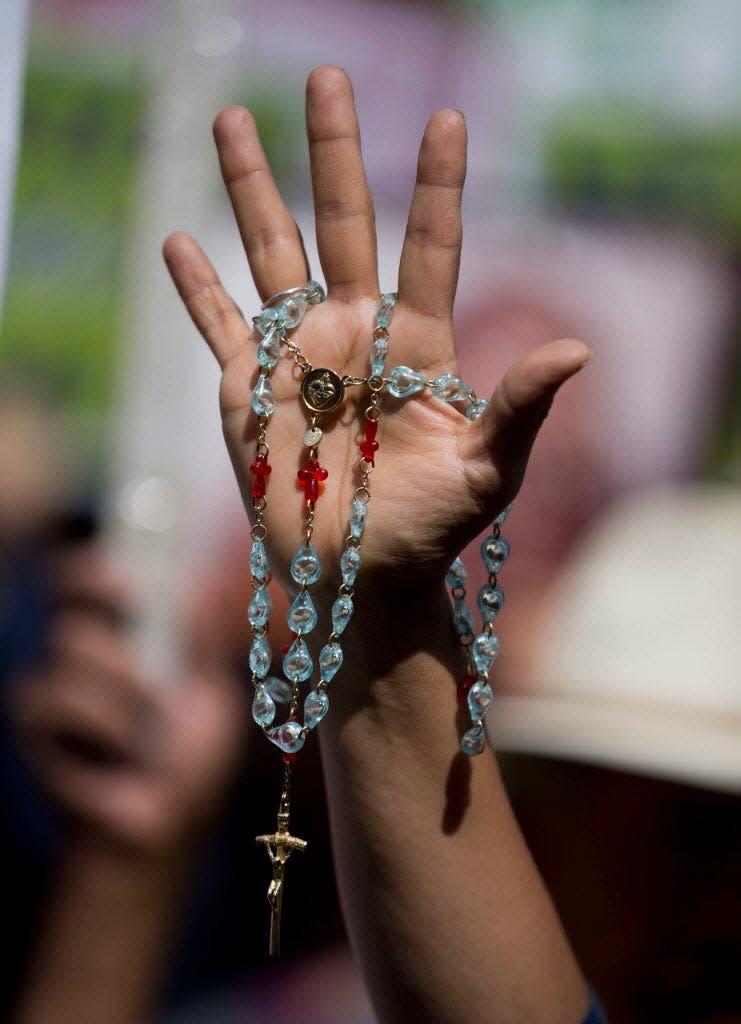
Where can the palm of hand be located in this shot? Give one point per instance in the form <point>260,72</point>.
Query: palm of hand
<point>438,477</point>
<point>420,487</point>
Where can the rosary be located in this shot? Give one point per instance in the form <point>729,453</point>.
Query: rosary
<point>322,392</point>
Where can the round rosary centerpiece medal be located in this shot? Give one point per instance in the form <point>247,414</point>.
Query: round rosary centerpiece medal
<point>322,390</point>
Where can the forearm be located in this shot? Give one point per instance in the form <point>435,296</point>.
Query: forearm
<point>446,910</point>
<point>104,939</point>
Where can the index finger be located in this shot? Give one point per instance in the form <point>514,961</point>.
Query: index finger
<point>270,235</point>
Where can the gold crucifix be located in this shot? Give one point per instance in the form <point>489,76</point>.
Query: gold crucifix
<point>280,845</point>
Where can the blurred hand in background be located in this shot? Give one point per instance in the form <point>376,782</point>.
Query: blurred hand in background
<point>142,764</point>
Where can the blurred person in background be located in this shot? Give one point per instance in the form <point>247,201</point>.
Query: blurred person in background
<point>136,772</point>
<point>630,730</point>
<point>40,511</point>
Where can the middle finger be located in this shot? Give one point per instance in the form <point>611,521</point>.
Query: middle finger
<point>345,222</point>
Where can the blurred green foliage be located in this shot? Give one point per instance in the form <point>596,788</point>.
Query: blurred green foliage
<point>630,166</point>
<point>633,166</point>
<point>280,122</point>
<point>73,198</point>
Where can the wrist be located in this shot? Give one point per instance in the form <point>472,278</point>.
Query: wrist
<point>401,655</point>
<point>391,625</point>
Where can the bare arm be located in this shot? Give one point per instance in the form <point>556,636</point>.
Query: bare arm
<point>445,908</point>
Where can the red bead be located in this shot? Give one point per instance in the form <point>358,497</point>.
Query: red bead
<point>371,426</point>
<point>317,471</point>
<point>368,449</point>
<point>290,758</point>
<point>309,478</point>
<point>261,470</point>
<point>464,686</point>
<point>260,465</point>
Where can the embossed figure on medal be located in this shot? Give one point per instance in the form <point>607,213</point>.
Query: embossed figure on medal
<point>322,391</point>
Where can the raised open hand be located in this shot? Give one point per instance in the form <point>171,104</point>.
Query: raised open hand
<point>390,746</point>
<point>439,478</point>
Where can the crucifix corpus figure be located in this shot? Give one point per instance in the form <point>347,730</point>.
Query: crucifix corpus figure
<point>279,845</point>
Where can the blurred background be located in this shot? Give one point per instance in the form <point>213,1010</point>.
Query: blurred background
<point>602,203</point>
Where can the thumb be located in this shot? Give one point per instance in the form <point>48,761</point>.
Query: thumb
<point>501,439</point>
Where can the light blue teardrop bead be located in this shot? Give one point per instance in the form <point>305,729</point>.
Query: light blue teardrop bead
<point>258,611</point>
<point>474,409</point>
<point>450,388</point>
<point>494,551</point>
<point>484,650</point>
<point>504,515</point>
<point>490,600</point>
<point>378,355</point>
<point>268,350</point>
<point>292,310</point>
<point>403,382</point>
<point>260,656</point>
<point>350,565</point>
<point>297,663</point>
<point>302,615</point>
<point>259,566</point>
<point>263,399</point>
<point>358,517</point>
<point>267,320</point>
<point>342,611</point>
<point>457,574</point>
<point>473,740</point>
<point>289,737</point>
<point>480,697</point>
<point>314,293</point>
<point>263,706</point>
<point>385,309</point>
<point>306,567</point>
<point>279,690</point>
<point>464,621</point>
<point>316,706</point>
<point>330,660</point>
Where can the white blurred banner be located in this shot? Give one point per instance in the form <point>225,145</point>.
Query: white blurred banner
<point>13,22</point>
<point>167,382</point>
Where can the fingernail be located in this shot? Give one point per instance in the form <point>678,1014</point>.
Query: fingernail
<point>588,360</point>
